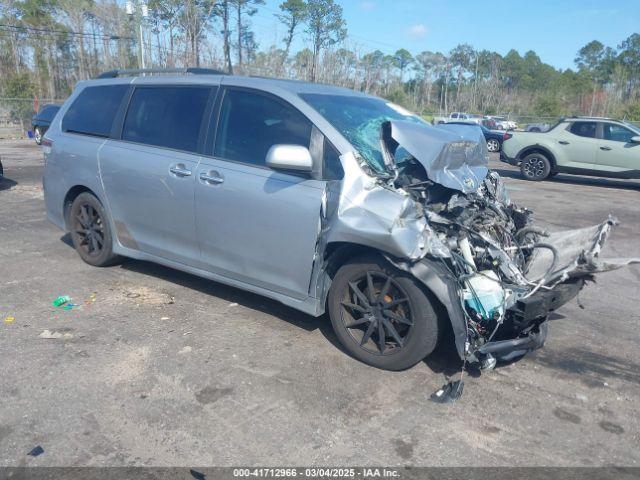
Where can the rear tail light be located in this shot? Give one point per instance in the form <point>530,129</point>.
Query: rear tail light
<point>46,147</point>
<point>507,136</point>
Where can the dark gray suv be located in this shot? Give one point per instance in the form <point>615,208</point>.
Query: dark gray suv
<point>320,197</point>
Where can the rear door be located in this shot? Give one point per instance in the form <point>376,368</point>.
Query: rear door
<point>149,173</point>
<point>254,224</point>
<point>616,152</point>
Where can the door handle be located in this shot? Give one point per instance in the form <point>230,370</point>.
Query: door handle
<point>563,142</point>
<point>605,148</point>
<point>212,177</point>
<point>180,170</point>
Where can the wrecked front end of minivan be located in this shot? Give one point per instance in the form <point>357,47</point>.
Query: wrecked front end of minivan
<point>438,212</point>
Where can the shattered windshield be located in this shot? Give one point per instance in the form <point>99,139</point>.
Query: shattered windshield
<point>358,119</point>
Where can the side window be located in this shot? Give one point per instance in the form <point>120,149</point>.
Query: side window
<point>584,129</point>
<point>617,133</point>
<point>250,123</point>
<point>168,117</point>
<point>454,115</point>
<point>92,113</point>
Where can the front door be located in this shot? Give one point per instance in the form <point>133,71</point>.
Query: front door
<point>149,175</point>
<point>616,152</point>
<point>254,224</point>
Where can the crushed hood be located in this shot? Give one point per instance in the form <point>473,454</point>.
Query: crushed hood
<point>456,157</point>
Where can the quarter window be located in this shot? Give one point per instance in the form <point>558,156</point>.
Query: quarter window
<point>332,167</point>
<point>168,117</point>
<point>617,133</point>
<point>584,129</point>
<point>250,123</point>
<point>92,113</point>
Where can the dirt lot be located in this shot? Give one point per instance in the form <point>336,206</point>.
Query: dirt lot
<point>162,368</point>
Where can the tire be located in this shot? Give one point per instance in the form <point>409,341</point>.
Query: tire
<point>535,129</point>
<point>493,145</point>
<point>37,135</point>
<point>90,231</point>
<point>535,167</point>
<point>409,325</point>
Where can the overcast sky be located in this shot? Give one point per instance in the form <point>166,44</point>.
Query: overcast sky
<point>554,29</point>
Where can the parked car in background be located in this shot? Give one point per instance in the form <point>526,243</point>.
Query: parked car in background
<point>458,117</point>
<point>580,145</point>
<point>489,123</point>
<point>41,121</point>
<point>503,123</point>
<point>494,138</point>
<point>537,127</point>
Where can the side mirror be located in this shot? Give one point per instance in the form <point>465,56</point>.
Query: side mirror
<point>289,157</point>
<point>636,139</point>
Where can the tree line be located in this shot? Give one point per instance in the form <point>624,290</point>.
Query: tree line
<point>46,46</point>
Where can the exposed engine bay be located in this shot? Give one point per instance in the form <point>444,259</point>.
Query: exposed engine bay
<point>499,275</point>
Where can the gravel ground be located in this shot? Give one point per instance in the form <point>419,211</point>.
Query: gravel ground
<point>162,368</point>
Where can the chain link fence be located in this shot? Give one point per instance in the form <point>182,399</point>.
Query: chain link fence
<point>16,115</point>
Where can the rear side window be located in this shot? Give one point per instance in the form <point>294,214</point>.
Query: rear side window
<point>584,129</point>
<point>168,117</point>
<point>250,123</point>
<point>92,113</point>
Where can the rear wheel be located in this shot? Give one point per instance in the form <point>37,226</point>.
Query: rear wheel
<point>90,231</point>
<point>493,145</point>
<point>37,135</point>
<point>381,315</point>
<point>535,167</point>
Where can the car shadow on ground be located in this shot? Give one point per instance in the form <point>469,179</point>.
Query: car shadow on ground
<point>592,368</point>
<point>575,180</point>
<point>444,359</point>
<point>7,183</point>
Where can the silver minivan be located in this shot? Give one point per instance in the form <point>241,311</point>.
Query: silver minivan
<point>320,197</point>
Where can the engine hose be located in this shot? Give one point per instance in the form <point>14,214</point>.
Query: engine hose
<point>523,231</point>
<point>549,271</point>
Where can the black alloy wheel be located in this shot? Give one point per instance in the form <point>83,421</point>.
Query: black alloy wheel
<point>90,231</point>
<point>535,167</point>
<point>381,315</point>
<point>376,313</point>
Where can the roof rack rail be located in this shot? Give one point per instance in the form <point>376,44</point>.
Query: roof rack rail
<point>589,117</point>
<point>142,71</point>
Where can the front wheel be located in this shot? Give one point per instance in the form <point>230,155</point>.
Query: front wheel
<point>90,231</point>
<point>535,167</point>
<point>493,145</point>
<point>381,315</point>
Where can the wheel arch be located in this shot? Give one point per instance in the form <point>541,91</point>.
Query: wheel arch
<point>71,195</point>
<point>538,149</point>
